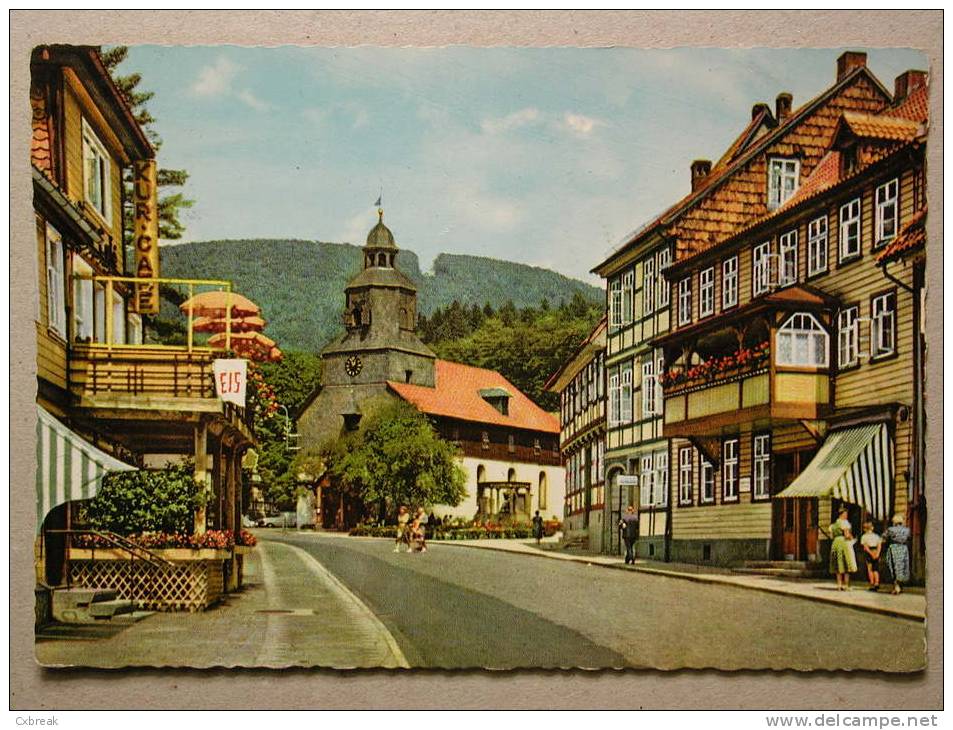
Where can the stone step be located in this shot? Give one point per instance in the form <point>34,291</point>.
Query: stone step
<point>131,617</point>
<point>782,572</point>
<point>794,564</point>
<point>108,609</point>
<point>75,605</point>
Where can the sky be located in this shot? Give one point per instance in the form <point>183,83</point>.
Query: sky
<point>544,156</point>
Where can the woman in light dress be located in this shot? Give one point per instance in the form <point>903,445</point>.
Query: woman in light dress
<point>843,561</point>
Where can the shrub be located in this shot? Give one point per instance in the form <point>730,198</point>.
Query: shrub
<point>161,500</point>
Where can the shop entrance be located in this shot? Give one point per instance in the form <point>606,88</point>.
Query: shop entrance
<point>794,521</point>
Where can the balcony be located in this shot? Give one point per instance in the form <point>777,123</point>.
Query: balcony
<point>748,385</point>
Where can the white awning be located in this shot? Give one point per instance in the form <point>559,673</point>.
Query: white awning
<point>854,465</point>
<point>67,466</point>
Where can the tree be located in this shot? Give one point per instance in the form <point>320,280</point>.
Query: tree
<point>171,204</point>
<point>396,457</point>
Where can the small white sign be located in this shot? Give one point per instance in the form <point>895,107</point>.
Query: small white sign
<point>627,480</point>
<point>744,484</point>
<point>230,380</point>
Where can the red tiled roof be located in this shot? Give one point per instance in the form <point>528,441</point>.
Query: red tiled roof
<point>457,395</point>
<point>912,236</point>
<point>882,126</point>
<point>916,106</point>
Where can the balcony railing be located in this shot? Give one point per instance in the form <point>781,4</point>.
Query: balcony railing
<point>702,401</point>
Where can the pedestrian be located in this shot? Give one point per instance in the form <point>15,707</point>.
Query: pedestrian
<point>871,543</point>
<point>629,526</point>
<point>537,527</point>
<point>419,531</point>
<point>403,534</point>
<point>897,556</point>
<point>842,562</point>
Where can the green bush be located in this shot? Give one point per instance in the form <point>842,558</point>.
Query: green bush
<point>161,500</point>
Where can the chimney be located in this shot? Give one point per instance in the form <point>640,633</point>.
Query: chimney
<point>700,170</point>
<point>848,61</point>
<point>906,83</point>
<point>782,106</point>
<point>758,108</point>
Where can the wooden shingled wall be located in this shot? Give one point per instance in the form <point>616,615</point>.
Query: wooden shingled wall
<point>742,198</point>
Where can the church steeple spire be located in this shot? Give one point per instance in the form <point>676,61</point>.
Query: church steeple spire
<point>380,249</point>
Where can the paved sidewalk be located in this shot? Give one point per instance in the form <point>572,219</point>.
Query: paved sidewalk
<point>907,605</point>
<point>292,612</point>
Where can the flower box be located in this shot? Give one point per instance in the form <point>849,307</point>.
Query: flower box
<point>243,549</point>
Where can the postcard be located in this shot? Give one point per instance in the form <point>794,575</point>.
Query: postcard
<point>480,358</point>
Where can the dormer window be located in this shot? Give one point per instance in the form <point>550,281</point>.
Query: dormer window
<point>783,177</point>
<point>499,398</point>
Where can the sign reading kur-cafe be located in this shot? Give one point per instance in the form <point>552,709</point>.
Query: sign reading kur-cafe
<point>231,377</point>
<point>146,235</point>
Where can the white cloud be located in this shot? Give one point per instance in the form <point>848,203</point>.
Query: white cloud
<point>521,118</point>
<point>247,97</point>
<point>218,80</point>
<point>580,124</point>
<point>215,80</point>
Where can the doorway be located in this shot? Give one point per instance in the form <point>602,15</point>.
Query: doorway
<point>794,521</point>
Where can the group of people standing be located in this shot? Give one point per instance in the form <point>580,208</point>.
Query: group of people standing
<point>411,531</point>
<point>889,551</point>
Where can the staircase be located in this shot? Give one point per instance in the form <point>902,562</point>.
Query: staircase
<point>93,605</point>
<point>578,541</point>
<point>791,569</point>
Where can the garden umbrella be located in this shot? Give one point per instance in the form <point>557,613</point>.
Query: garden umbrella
<point>253,345</point>
<point>215,304</point>
<point>218,324</point>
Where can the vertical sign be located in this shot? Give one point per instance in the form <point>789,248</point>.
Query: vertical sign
<point>146,235</point>
<point>230,380</point>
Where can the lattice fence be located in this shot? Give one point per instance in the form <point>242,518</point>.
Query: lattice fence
<point>185,586</point>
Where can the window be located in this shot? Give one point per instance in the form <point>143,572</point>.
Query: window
<point>729,282</point>
<point>661,479</point>
<point>817,246</point>
<point>134,328</point>
<point>761,268</point>
<point>762,466</point>
<point>615,400</point>
<point>787,258</point>
<point>55,282</point>
<point>685,301</point>
<point>664,260</point>
<point>649,390</point>
<point>730,471</point>
<point>685,475</point>
<point>648,286</point>
<point>615,303</point>
<point>97,189</point>
<point>646,482</point>
<point>99,313</point>
<point>802,341</point>
<point>707,481</point>
<point>847,337</point>
<point>591,381</point>
<point>628,294</point>
<point>706,292</point>
<point>882,329</point>
<point>600,463</point>
<point>511,443</point>
<point>593,463</point>
<point>625,394</point>
<point>782,181</point>
<point>82,300</point>
<point>886,215</point>
<point>119,320</point>
<point>485,440</point>
<point>850,229</point>
<point>659,391</point>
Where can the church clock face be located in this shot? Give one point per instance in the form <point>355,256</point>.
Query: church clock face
<point>353,366</point>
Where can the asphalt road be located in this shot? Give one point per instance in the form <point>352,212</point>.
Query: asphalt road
<point>457,607</point>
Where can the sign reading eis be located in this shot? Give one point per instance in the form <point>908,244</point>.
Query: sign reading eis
<point>146,235</point>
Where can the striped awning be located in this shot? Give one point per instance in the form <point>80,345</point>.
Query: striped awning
<point>67,466</point>
<point>854,465</point>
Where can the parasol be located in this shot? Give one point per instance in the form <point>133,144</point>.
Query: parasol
<point>215,303</point>
<point>218,324</point>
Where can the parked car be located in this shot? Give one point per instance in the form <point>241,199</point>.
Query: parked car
<point>248,521</point>
<point>278,519</point>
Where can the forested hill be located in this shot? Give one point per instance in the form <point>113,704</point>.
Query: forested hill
<point>300,284</point>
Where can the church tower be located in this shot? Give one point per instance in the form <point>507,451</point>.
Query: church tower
<point>379,343</point>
